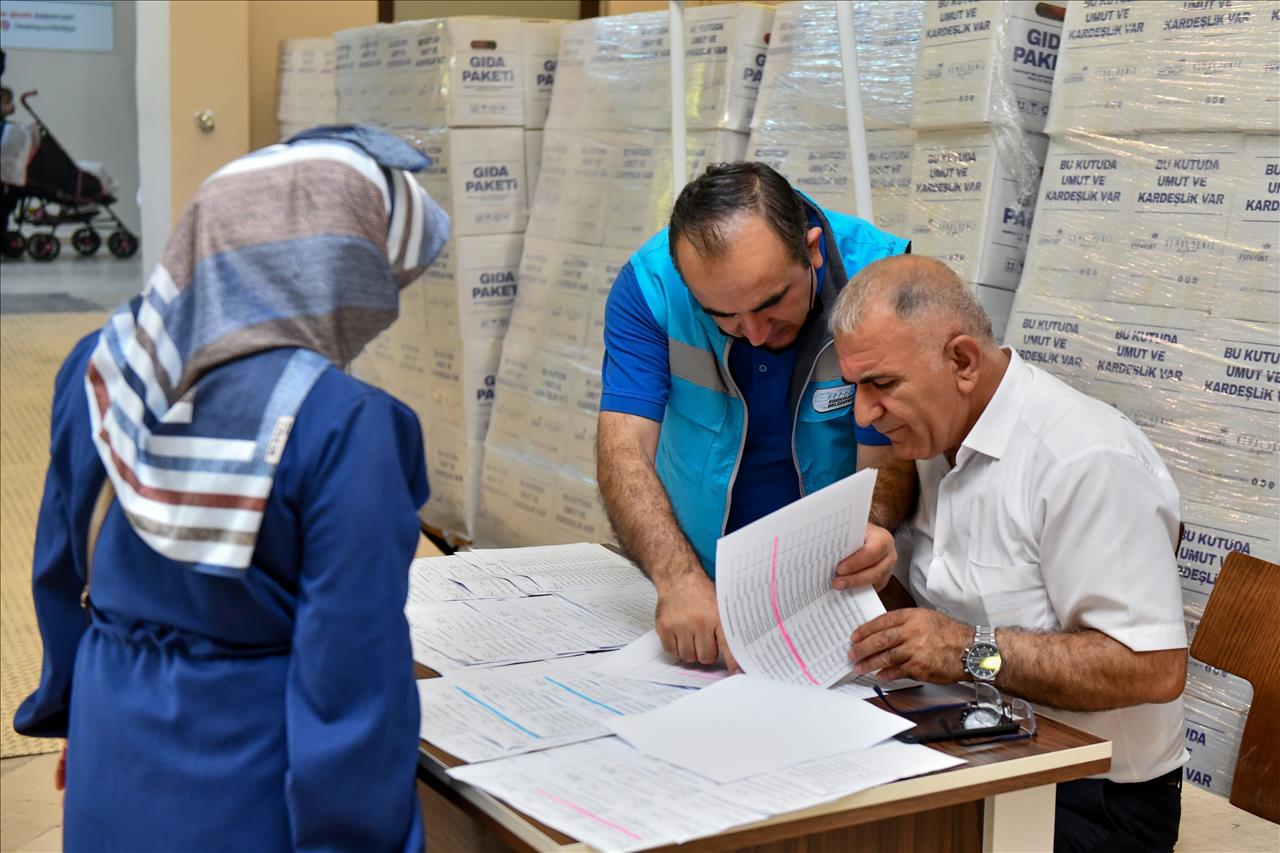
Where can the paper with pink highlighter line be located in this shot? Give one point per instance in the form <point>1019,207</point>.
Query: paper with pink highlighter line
<point>781,618</point>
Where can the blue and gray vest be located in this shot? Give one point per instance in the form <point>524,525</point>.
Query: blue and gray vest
<point>704,427</point>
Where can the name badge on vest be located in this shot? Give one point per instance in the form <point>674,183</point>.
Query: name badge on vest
<point>830,399</point>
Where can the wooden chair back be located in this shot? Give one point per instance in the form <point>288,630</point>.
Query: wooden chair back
<point>1240,633</point>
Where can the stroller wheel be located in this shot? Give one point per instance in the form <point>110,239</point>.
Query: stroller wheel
<point>43,247</point>
<point>14,244</point>
<point>86,241</point>
<point>122,244</point>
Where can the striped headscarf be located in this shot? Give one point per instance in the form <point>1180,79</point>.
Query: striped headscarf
<point>300,245</point>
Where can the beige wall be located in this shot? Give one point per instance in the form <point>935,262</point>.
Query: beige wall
<point>409,10</point>
<point>272,21</point>
<point>208,69</point>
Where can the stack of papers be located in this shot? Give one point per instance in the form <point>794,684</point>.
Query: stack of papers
<point>493,607</point>
<point>480,715</point>
<point>489,632</point>
<point>614,797</point>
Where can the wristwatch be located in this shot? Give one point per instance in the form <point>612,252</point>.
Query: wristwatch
<point>982,659</point>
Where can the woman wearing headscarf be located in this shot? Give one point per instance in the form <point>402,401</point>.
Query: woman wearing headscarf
<point>226,653</point>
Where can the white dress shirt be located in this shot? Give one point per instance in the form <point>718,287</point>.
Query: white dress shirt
<point>1059,516</point>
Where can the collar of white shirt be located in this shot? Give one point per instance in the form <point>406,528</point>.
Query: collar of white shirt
<point>991,433</point>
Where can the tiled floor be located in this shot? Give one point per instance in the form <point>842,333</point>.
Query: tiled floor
<point>30,809</point>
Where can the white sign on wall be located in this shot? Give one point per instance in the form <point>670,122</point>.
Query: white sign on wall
<point>31,25</point>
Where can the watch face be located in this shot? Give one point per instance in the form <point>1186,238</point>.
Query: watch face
<point>982,661</point>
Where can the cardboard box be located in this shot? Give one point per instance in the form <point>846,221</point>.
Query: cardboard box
<point>532,164</point>
<point>1107,349</point>
<point>1137,219</point>
<point>453,472</point>
<point>1137,66</point>
<point>578,511</point>
<point>998,303</point>
<point>972,200</point>
<point>803,85</point>
<point>614,72</point>
<point>1213,735</point>
<point>358,71</point>
<point>477,174</point>
<point>1248,282</point>
<point>460,381</point>
<point>466,72</point>
<point>307,93</point>
<point>516,501</point>
<point>614,187</point>
<point>986,62</point>
<point>471,287</point>
<point>1210,532</point>
<point>541,43</point>
<point>817,164</point>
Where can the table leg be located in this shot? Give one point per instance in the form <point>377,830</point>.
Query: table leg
<point>1019,820</point>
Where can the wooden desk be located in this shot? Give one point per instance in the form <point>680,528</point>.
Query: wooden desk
<point>1001,799</point>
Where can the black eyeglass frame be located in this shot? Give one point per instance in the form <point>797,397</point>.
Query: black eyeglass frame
<point>1008,709</point>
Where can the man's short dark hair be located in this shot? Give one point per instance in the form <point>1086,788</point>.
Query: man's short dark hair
<point>7,92</point>
<point>711,201</point>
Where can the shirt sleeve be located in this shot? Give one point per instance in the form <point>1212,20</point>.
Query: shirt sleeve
<point>1106,550</point>
<point>635,378</point>
<point>351,703</point>
<point>58,571</point>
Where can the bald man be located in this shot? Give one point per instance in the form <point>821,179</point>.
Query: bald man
<point>1043,558</point>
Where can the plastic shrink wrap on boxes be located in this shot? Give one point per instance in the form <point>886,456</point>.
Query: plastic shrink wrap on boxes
<point>1151,279</point>
<point>799,126</point>
<point>306,91</point>
<point>460,90</point>
<point>960,181</point>
<point>604,187</point>
<point>1128,66</point>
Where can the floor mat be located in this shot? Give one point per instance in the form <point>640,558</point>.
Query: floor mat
<point>32,347</point>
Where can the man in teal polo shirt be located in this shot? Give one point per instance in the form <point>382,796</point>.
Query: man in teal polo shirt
<point>722,396</point>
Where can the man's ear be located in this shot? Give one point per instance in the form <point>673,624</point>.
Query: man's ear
<point>813,239</point>
<point>964,355</point>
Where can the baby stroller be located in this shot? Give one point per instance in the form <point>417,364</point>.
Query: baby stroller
<point>44,189</point>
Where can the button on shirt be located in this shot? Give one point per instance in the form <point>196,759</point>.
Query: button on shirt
<point>1059,516</point>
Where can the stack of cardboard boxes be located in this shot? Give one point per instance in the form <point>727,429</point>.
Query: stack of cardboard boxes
<point>1151,282</point>
<point>955,96</point>
<point>472,93</point>
<point>306,86</point>
<point>984,73</point>
<point>605,186</point>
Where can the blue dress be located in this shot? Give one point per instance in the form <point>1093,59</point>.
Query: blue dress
<point>275,711</point>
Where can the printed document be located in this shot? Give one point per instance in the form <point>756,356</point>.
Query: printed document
<point>644,659</point>
<point>613,797</point>
<point>746,725</point>
<point>781,618</point>
<point>480,715</point>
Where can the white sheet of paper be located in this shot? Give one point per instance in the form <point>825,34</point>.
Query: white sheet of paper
<point>480,715</point>
<point>781,617</point>
<point>614,797</point>
<point>609,795</point>
<point>558,623</point>
<point>630,604</point>
<point>645,660</point>
<point>746,725</point>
